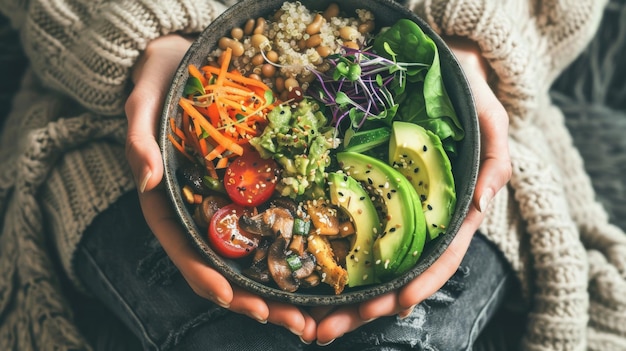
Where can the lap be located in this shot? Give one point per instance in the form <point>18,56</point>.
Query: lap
<point>120,262</point>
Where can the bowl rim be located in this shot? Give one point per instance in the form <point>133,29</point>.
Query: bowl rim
<point>351,295</point>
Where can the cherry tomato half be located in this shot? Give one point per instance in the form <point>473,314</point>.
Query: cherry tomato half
<point>250,180</point>
<point>225,235</point>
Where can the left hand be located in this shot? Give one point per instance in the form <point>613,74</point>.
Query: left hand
<point>152,76</point>
<point>495,172</point>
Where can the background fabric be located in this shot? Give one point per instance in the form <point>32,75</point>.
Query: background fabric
<point>592,93</point>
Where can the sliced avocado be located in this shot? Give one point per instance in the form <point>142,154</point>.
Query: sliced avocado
<point>349,195</point>
<point>395,191</point>
<point>418,242</point>
<point>418,154</point>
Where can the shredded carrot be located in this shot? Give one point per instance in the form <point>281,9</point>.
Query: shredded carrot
<point>179,147</point>
<point>195,72</point>
<point>216,125</point>
<point>216,152</point>
<point>179,133</point>
<point>213,132</point>
<point>226,55</point>
<point>236,77</point>
<point>222,163</point>
<point>211,169</point>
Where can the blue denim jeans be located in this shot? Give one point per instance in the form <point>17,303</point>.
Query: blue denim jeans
<point>121,263</point>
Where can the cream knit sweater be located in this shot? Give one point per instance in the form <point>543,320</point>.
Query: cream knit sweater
<point>63,162</point>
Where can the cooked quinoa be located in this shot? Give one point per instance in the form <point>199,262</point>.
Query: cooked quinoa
<point>294,46</point>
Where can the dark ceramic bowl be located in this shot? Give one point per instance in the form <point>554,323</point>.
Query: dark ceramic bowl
<point>465,166</point>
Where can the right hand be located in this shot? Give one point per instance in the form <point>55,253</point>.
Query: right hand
<point>494,174</point>
<point>152,76</point>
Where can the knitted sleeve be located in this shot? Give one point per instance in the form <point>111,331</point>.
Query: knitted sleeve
<point>570,259</point>
<point>86,49</point>
<point>527,43</point>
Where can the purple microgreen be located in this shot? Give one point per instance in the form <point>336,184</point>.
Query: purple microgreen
<point>358,85</point>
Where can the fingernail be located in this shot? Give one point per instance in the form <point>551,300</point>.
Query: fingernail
<point>258,318</point>
<point>404,314</point>
<point>221,302</point>
<point>304,341</point>
<point>485,199</point>
<point>144,182</point>
<point>297,332</point>
<point>324,343</point>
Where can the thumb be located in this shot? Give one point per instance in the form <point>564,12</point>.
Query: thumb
<point>142,149</point>
<point>152,75</point>
<point>495,168</point>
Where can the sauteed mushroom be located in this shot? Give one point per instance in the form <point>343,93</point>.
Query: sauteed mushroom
<point>279,267</point>
<point>273,221</point>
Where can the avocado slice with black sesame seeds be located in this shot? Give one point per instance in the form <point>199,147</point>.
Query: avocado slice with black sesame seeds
<point>398,196</point>
<point>418,240</point>
<point>349,195</point>
<point>419,155</point>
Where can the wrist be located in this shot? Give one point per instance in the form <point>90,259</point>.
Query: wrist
<point>469,55</point>
<point>171,44</point>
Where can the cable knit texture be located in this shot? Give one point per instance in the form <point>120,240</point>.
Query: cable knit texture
<point>569,258</point>
<point>64,163</point>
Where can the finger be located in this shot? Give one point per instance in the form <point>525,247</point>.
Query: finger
<point>249,304</point>
<point>433,278</point>
<point>143,110</point>
<point>310,329</point>
<point>495,167</point>
<point>383,305</point>
<point>341,321</point>
<point>290,317</point>
<point>318,313</point>
<point>152,76</point>
<point>142,148</point>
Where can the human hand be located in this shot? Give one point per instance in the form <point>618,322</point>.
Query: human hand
<point>495,172</point>
<point>152,76</point>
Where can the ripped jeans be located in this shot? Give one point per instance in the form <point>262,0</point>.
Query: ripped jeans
<point>122,264</point>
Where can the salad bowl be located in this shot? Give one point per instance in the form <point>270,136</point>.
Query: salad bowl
<point>464,163</point>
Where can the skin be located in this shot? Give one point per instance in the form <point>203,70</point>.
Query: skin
<point>152,75</point>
